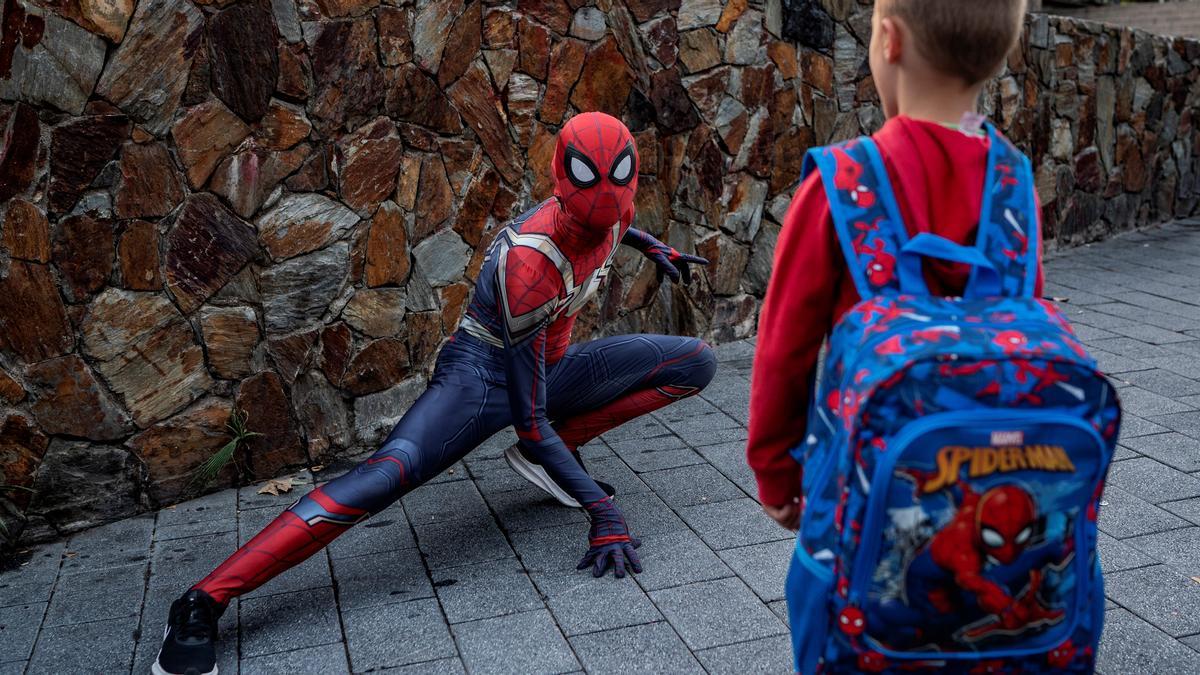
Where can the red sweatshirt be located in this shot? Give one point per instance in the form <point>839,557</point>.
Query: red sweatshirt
<point>938,176</point>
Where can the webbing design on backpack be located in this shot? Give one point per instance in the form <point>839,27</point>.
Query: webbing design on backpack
<point>957,449</point>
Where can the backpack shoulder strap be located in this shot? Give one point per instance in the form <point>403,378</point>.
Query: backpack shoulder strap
<point>1009,235</point>
<point>865,214</point>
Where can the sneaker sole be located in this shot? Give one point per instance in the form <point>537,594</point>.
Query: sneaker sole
<point>158,670</point>
<point>538,476</point>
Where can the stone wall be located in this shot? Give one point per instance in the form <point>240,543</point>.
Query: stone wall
<point>280,206</point>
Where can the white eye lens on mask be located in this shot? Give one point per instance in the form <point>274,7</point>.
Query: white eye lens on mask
<point>992,538</point>
<point>580,172</point>
<point>622,168</point>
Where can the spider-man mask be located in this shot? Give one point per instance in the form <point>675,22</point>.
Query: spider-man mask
<point>1006,518</point>
<point>595,171</point>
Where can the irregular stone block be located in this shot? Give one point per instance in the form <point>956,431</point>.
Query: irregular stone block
<point>377,366</point>
<point>83,253</point>
<point>566,62</point>
<point>69,401</point>
<point>33,321</point>
<point>395,38</point>
<point>149,186</point>
<point>606,80</point>
<point>138,254</point>
<point>588,24</point>
<point>106,17</point>
<point>466,38</point>
<point>414,96</point>
<point>298,291</point>
<point>147,74</point>
<point>321,411</point>
<point>662,40</point>
<point>301,223</point>
<point>80,484</point>
<point>79,150</point>
<point>377,312</point>
<point>230,336</point>
<point>336,344</point>
<point>249,177</point>
<point>476,101</point>
<point>345,60</point>
<point>19,148</point>
<point>645,10</point>
<point>204,136</point>
<point>205,248</point>
<point>292,354</point>
<point>26,232</point>
<point>174,449</point>
<point>442,257</point>
<point>387,248</point>
<point>369,160</point>
<point>534,54</point>
<point>46,59</point>
<point>283,127</point>
<point>429,32</point>
<point>242,58</point>
<point>377,414</point>
<point>22,447</point>
<point>147,352</point>
<point>267,412</point>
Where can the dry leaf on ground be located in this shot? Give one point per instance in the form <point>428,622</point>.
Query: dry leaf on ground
<point>276,487</point>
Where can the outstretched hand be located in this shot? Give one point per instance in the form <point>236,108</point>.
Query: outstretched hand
<point>621,557</point>
<point>674,264</point>
<point>609,543</point>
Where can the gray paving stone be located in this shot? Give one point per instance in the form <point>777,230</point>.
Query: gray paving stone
<point>310,574</point>
<point>1133,426</point>
<point>1117,555</point>
<point>179,563</point>
<point>530,642</point>
<point>30,575</point>
<point>652,648</point>
<point>532,509</point>
<point>109,647</point>
<point>1192,641</point>
<point>302,483</point>
<point>1123,515</point>
<point>738,522</point>
<point>1159,594</point>
<point>1152,335</point>
<point>289,621</point>
<point>1130,645</point>
<point>13,668</point>
<point>1153,481</point>
<point>1130,347</point>
<point>197,528</point>
<point>1175,450</point>
<point>1187,508</point>
<point>220,505</point>
<point>485,590</point>
<point>441,502</point>
<point>763,567</point>
<point>768,655</point>
<point>124,542</point>
<point>730,460</point>
<point>691,485</point>
<point>582,603</point>
<point>325,659</point>
<point>676,558</point>
<point>106,593</point>
<point>19,625</point>
<point>452,666</point>
<point>381,579</point>
<point>1179,364</point>
<point>1115,363</point>
<point>715,613</point>
<point>1178,548</point>
<point>694,406</point>
<point>780,608</point>
<point>493,476</point>
<point>614,471</point>
<point>1148,404</point>
<point>711,429</point>
<point>646,515</point>
<point>387,530</point>
<point>456,472</point>
<point>462,542</point>
<point>397,635</point>
<point>1122,453</point>
<point>554,548</point>
<point>1165,382</point>
<point>1091,333</point>
<point>652,454</point>
<point>1184,422</point>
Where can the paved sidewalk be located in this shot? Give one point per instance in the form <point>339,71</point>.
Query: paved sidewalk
<point>476,572</point>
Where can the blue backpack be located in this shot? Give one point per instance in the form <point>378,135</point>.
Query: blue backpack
<point>957,449</point>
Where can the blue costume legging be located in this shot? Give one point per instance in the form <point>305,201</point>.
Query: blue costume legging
<point>594,387</point>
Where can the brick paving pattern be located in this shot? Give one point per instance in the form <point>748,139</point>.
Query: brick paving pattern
<point>475,572</point>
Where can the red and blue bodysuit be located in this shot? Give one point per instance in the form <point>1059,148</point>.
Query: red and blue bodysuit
<point>511,363</point>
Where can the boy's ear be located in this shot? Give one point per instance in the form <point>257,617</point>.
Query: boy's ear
<point>894,36</point>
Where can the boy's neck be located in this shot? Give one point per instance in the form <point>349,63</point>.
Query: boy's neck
<point>936,99</point>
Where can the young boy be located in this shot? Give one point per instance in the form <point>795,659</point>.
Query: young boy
<point>930,60</point>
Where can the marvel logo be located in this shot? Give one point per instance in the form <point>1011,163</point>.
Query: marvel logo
<point>1004,438</point>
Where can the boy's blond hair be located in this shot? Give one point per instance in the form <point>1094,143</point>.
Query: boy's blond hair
<point>969,39</point>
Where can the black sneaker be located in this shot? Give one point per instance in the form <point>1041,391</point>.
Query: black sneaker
<point>189,642</point>
<point>531,470</point>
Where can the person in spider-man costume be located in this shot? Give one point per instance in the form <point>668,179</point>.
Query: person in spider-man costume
<point>509,363</point>
<point>978,577</point>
